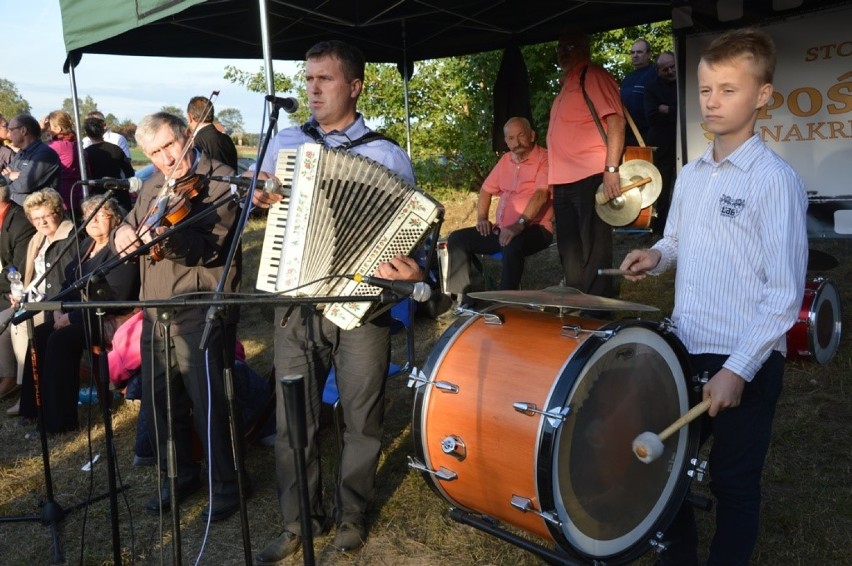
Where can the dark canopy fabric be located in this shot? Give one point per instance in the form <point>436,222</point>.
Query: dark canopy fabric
<point>386,30</point>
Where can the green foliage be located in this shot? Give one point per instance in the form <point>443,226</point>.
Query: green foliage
<point>11,101</point>
<point>231,118</point>
<point>176,110</point>
<point>450,101</point>
<point>85,105</point>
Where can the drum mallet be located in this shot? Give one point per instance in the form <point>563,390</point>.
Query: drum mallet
<point>649,446</point>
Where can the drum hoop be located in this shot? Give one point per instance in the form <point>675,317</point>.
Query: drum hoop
<point>820,354</point>
<point>560,394</point>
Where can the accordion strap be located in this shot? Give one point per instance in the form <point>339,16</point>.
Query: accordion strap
<point>310,129</point>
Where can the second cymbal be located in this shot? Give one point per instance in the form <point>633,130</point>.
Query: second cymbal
<point>622,210</point>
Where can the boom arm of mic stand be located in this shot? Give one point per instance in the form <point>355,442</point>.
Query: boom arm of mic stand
<point>215,311</point>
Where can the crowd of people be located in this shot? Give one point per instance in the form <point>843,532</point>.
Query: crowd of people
<point>541,191</point>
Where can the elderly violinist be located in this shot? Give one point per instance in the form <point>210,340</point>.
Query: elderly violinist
<point>189,264</point>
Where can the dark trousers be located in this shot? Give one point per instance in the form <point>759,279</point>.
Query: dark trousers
<point>192,401</point>
<point>307,345</point>
<point>584,240</point>
<point>463,244</point>
<point>58,356</point>
<point>740,442</point>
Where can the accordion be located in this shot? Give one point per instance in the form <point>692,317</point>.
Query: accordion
<point>345,214</point>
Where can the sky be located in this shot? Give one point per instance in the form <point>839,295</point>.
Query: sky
<point>128,87</point>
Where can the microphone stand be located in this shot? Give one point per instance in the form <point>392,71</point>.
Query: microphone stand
<point>216,312</point>
<point>52,513</point>
<point>166,307</point>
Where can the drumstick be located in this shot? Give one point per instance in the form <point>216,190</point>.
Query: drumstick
<point>649,446</point>
<point>600,198</point>
<point>613,271</point>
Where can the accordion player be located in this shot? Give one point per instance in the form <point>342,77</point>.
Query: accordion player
<point>345,214</point>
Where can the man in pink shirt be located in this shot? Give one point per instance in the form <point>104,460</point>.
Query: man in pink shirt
<point>524,215</point>
<point>583,154</point>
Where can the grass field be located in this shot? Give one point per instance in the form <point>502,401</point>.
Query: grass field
<point>807,506</point>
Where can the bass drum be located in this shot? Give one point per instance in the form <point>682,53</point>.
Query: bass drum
<point>528,418</point>
<point>816,334</point>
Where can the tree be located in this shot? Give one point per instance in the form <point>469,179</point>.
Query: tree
<point>451,101</point>
<point>232,119</point>
<point>11,101</point>
<point>86,105</point>
<point>176,110</point>
<point>126,128</point>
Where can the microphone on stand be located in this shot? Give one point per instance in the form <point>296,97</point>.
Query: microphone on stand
<point>419,291</point>
<point>133,184</point>
<point>287,104</point>
<point>270,185</point>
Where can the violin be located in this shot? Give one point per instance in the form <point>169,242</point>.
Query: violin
<point>172,207</point>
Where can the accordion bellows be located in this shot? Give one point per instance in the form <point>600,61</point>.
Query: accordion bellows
<point>346,214</point>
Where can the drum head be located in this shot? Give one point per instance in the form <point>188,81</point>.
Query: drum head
<point>610,504</point>
<point>824,323</point>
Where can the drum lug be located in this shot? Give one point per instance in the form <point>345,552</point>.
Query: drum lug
<point>526,505</point>
<point>697,470</point>
<point>658,544</point>
<point>667,325</point>
<point>575,331</point>
<point>441,473</point>
<point>555,417</point>
<point>700,380</point>
<point>419,380</point>
<point>455,447</point>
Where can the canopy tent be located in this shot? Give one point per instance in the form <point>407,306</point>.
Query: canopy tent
<point>392,31</point>
<point>396,31</point>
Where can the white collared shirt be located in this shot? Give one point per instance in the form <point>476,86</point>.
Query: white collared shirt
<point>737,231</point>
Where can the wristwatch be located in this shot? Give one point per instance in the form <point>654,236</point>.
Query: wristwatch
<point>611,169</point>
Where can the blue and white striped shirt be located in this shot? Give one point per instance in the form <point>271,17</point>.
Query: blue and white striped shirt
<point>737,232</point>
<point>388,154</point>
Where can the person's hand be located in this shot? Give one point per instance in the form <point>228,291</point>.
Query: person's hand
<point>126,240</point>
<point>612,185</point>
<point>484,227</point>
<point>60,320</point>
<point>259,197</point>
<point>640,261</point>
<point>400,268</point>
<point>13,175</point>
<point>725,389</point>
<point>509,232</point>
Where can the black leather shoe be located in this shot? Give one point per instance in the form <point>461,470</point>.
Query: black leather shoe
<point>278,550</point>
<point>185,489</point>
<point>223,506</point>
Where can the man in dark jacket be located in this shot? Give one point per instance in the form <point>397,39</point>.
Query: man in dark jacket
<point>193,262</point>
<point>35,166</point>
<point>208,139</point>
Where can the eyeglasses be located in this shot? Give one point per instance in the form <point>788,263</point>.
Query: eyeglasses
<point>13,129</point>
<point>37,219</point>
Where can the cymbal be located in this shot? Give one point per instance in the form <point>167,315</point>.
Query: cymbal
<point>622,210</point>
<point>567,297</point>
<point>637,169</point>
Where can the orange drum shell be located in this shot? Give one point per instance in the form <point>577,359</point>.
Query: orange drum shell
<point>493,370</point>
<point>643,221</point>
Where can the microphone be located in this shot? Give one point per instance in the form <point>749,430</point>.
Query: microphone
<point>133,184</point>
<point>418,291</point>
<point>287,104</point>
<point>270,185</point>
